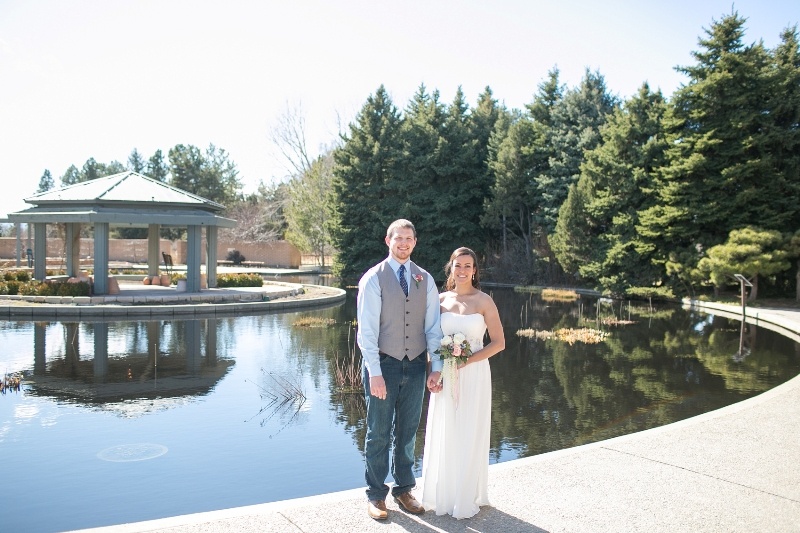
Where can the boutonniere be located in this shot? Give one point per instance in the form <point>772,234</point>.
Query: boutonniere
<point>417,279</point>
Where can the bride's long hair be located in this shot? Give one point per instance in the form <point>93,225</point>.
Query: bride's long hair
<point>450,284</point>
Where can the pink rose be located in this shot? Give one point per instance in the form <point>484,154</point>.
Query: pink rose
<point>456,350</point>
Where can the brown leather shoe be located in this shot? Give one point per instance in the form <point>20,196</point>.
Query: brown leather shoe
<point>409,504</point>
<point>377,510</point>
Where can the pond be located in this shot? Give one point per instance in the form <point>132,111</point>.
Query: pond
<point>123,421</point>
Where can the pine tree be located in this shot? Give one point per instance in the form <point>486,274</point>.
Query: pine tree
<point>46,182</point>
<point>575,127</point>
<point>781,148</point>
<point>157,169</point>
<point>425,186</point>
<point>719,176</point>
<point>71,176</point>
<point>482,121</point>
<point>368,166</point>
<point>511,206</point>
<point>443,159</point>
<point>518,152</point>
<point>595,233</point>
<point>136,162</point>
<point>749,251</point>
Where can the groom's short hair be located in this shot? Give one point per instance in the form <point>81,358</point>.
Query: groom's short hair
<point>398,224</point>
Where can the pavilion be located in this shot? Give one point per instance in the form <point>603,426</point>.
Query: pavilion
<point>126,199</point>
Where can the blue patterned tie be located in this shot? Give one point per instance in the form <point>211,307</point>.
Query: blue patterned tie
<point>401,273</point>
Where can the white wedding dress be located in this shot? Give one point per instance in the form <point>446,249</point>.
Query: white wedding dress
<point>455,462</point>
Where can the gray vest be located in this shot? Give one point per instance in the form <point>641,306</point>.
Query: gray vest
<point>402,325</point>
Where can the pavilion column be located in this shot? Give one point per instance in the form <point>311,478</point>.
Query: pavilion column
<point>211,255</point>
<point>194,246</point>
<point>73,238</point>
<point>40,251</point>
<point>101,258</point>
<point>100,359</point>
<point>153,249</point>
<point>18,227</point>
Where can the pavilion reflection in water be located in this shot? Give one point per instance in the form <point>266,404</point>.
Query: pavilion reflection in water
<point>164,364</point>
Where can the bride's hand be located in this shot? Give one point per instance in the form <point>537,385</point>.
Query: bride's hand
<point>435,382</point>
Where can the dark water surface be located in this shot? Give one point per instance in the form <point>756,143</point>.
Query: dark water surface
<point>125,421</point>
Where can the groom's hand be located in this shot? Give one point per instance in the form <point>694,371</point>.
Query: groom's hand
<point>377,387</point>
<point>434,382</point>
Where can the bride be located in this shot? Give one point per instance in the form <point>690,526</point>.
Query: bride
<point>455,462</point>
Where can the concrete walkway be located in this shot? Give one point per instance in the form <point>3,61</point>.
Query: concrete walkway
<point>736,469</point>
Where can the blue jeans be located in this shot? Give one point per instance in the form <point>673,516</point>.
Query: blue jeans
<point>392,424</point>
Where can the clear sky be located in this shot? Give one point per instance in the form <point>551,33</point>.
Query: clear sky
<point>98,78</point>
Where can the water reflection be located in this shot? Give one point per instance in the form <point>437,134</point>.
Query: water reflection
<point>152,360</point>
<point>254,402</point>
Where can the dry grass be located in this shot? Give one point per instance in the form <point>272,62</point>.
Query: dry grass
<point>559,295</point>
<point>568,335</point>
<point>313,322</point>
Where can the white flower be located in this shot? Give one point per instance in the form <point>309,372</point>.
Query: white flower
<point>446,340</point>
<point>458,338</point>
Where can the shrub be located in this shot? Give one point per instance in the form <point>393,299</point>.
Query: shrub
<point>3,287</point>
<point>33,289</point>
<point>13,286</point>
<point>654,293</point>
<point>236,257</point>
<point>17,275</point>
<point>239,280</point>
<point>61,288</point>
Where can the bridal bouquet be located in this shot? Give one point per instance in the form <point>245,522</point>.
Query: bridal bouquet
<point>455,347</point>
<point>454,350</point>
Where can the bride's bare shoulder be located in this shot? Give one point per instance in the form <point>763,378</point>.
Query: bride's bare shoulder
<point>485,301</point>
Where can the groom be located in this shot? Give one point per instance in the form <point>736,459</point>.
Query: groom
<point>398,327</point>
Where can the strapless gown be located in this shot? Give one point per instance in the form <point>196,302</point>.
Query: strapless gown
<point>455,461</point>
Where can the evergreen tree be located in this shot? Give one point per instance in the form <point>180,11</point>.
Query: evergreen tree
<point>46,182</point>
<point>595,233</point>
<point>425,170</point>
<point>466,180</point>
<point>71,176</point>
<point>511,204</point>
<point>157,169</point>
<point>91,170</point>
<point>720,128</point>
<point>482,123</point>
<point>442,156</point>
<point>575,127</point>
<point>368,167</point>
<point>781,148</point>
<point>211,175</point>
<point>544,113</point>
<point>750,251</point>
<point>221,177</point>
<point>136,162</point>
<point>519,151</point>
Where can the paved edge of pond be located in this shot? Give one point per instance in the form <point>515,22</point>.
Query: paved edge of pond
<point>141,301</point>
<point>730,470</point>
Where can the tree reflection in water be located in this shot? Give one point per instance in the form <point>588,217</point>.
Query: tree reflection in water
<point>198,386</point>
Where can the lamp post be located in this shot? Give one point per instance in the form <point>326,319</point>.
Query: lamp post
<point>743,283</point>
